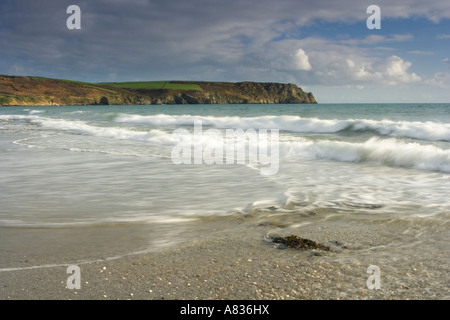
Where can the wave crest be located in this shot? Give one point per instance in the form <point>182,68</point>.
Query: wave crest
<point>430,131</point>
<point>389,152</point>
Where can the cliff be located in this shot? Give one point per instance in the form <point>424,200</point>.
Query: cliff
<point>44,91</point>
<point>230,93</point>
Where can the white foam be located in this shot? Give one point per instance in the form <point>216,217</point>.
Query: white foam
<point>429,130</point>
<point>391,152</point>
<point>36,111</point>
<point>82,127</point>
<point>17,117</point>
<point>289,123</point>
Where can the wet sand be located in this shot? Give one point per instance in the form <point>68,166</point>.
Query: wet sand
<point>232,268</point>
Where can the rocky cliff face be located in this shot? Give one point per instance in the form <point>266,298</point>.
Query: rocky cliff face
<point>231,93</point>
<point>42,91</point>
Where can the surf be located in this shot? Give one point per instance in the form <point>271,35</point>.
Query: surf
<point>428,130</point>
<point>389,152</point>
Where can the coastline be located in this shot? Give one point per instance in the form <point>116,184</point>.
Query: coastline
<point>38,91</point>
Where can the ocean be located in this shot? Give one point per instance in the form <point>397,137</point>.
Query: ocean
<point>83,183</point>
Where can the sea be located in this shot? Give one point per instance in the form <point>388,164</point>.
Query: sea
<point>83,183</point>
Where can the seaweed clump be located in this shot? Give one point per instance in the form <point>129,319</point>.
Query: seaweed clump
<point>297,242</point>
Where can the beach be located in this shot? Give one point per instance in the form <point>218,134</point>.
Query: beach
<point>234,266</point>
<point>110,192</point>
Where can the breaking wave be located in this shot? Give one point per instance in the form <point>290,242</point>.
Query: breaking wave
<point>430,131</point>
<point>389,152</point>
<point>82,127</point>
<point>377,150</point>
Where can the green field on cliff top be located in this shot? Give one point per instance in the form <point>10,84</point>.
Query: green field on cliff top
<point>149,85</point>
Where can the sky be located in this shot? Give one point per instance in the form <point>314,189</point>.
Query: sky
<point>323,46</point>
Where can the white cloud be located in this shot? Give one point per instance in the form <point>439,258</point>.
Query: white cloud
<point>422,52</point>
<point>374,39</point>
<point>396,71</point>
<point>443,36</point>
<point>301,60</point>
<point>440,79</point>
<point>391,71</point>
<point>338,64</point>
<point>401,37</point>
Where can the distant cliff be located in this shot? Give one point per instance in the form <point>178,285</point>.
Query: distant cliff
<point>230,93</point>
<point>44,91</point>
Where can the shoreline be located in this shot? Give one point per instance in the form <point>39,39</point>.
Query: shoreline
<point>223,268</point>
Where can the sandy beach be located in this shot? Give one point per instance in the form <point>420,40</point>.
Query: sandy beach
<point>234,266</point>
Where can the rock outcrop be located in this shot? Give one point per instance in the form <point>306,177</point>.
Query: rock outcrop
<point>232,93</point>
<point>43,91</point>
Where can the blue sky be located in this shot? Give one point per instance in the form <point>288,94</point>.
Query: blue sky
<point>324,46</point>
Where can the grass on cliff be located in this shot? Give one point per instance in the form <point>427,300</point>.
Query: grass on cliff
<point>149,85</point>
<point>64,80</point>
<point>4,99</point>
<point>81,83</point>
